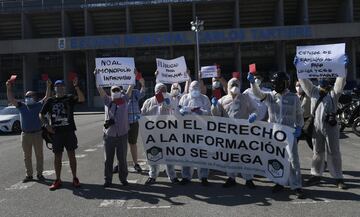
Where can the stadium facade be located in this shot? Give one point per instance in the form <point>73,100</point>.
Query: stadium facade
<point>60,36</point>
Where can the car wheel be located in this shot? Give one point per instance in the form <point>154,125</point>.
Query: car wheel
<point>16,127</point>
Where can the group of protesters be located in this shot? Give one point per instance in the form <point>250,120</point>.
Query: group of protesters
<point>224,99</point>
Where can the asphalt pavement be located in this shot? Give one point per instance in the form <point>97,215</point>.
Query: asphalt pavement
<point>163,198</point>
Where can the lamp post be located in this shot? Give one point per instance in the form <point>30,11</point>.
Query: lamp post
<point>197,26</point>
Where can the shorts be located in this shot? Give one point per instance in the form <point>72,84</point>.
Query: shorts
<point>64,139</point>
<point>133,133</point>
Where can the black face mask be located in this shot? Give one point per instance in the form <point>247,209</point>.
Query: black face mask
<point>279,87</point>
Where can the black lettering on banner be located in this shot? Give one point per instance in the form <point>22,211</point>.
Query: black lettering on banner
<point>222,127</point>
<point>242,145</point>
<point>267,133</point>
<point>148,126</point>
<point>179,151</point>
<point>194,152</point>
<point>280,136</point>
<point>232,128</point>
<point>244,129</point>
<point>253,131</point>
<point>211,126</point>
<point>149,139</point>
<point>220,142</point>
<point>172,138</point>
<point>251,145</point>
<point>187,124</point>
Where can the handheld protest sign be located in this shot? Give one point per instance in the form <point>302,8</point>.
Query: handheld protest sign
<point>72,76</point>
<point>209,71</point>
<point>159,97</point>
<point>44,77</point>
<point>236,75</point>
<point>171,71</point>
<point>138,76</point>
<point>252,68</point>
<point>12,79</point>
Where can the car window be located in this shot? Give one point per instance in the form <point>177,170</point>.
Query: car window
<point>9,111</point>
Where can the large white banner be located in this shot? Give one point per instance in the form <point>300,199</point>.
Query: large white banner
<point>115,71</point>
<point>320,61</point>
<point>171,71</point>
<point>224,144</point>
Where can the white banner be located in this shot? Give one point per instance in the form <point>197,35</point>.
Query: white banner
<point>115,71</point>
<point>320,61</point>
<point>224,144</point>
<point>171,71</point>
<point>208,71</point>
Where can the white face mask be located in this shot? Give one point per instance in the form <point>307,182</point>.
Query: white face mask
<point>116,95</point>
<point>216,84</point>
<point>29,100</point>
<point>195,93</point>
<point>258,82</point>
<point>235,90</point>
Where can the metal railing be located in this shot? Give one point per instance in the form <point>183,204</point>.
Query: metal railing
<point>26,5</point>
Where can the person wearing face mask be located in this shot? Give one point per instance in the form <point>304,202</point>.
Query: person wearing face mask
<point>116,127</point>
<point>218,86</point>
<point>61,125</point>
<point>31,129</point>
<point>194,103</point>
<point>261,107</point>
<point>305,105</point>
<point>235,105</point>
<point>326,130</point>
<point>284,108</point>
<point>160,104</point>
<point>134,116</point>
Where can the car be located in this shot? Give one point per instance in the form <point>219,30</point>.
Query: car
<point>10,120</point>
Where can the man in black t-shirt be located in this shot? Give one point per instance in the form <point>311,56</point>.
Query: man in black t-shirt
<point>60,112</point>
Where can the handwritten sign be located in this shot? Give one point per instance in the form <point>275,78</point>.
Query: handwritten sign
<point>320,61</point>
<point>117,71</point>
<point>208,71</point>
<point>171,71</point>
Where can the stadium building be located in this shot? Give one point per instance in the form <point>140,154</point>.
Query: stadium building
<point>56,37</point>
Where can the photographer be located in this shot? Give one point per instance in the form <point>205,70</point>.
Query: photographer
<point>326,130</point>
<point>116,127</point>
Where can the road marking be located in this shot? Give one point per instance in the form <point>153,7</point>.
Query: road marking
<point>133,181</point>
<point>20,186</point>
<point>90,149</point>
<point>48,172</point>
<point>65,163</point>
<point>112,203</point>
<point>80,155</point>
<point>312,202</point>
<point>99,145</point>
<point>148,207</point>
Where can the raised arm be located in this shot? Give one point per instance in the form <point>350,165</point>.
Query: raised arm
<point>187,83</point>
<point>48,91</point>
<point>339,85</point>
<point>10,95</point>
<point>79,93</point>
<point>129,90</point>
<point>308,87</point>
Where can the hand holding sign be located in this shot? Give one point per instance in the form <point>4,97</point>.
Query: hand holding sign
<point>12,79</point>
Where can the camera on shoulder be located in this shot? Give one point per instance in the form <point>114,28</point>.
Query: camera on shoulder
<point>330,118</point>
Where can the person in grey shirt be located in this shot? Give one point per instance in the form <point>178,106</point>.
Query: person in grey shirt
<point>305,105</point>
<point>116,127</point>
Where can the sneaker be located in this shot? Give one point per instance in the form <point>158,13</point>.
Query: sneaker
<point>116,169</point>
<point>175,180</point>
<point>313,180</point>
<point>27,179</point>
<point>137,168</point>
<point>55,185</point>
<point>250,184</point>
<point>277,188</point>
<point>229,183</point>
<point>40,178</point>
<point>340,184</point>
<point>299,193</point>
<point>106,184</point>
<point>125,183</point>
<point>150,181</point>
<point>76,182</point>
<point>204,182</point>
<point>184,181</point>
